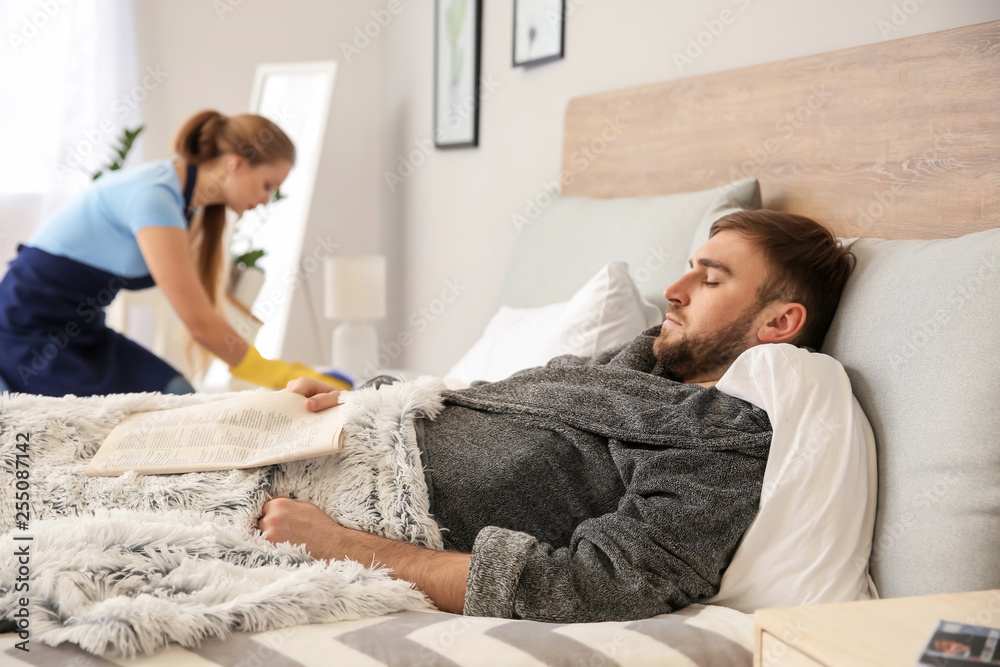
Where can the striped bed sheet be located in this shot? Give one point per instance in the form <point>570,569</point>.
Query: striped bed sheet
<point>697,635</point>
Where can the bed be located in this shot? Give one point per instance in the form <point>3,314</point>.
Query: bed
<point>896,141</point>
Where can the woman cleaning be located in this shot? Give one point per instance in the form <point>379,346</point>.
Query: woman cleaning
<point>131,230</point>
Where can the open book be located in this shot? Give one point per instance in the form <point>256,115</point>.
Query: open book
<point>253,429</point>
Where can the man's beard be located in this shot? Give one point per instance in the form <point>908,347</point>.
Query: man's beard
<point>692,357</point>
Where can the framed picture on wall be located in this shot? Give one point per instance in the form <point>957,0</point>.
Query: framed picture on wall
<point>539,31</point>
<point>457,34</point>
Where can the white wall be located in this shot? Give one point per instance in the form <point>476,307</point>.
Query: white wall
<point>451,219</point>
<point>447,228</point>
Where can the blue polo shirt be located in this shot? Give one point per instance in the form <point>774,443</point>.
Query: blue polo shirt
<point>98,228</point>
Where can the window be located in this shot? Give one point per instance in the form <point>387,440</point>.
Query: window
<point>68,78</point>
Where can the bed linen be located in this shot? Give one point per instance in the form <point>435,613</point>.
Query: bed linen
<point>695,636</point>
<point>699,635</point>
<point>917,331</point>
<point>64,440</point>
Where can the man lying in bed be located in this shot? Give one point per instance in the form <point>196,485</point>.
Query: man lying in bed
<point>616,487</point>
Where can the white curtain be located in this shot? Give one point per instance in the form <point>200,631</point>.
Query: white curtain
<point>69,84</point>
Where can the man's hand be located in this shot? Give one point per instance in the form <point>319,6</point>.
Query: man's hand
<point>298,522</point>
<point>441,575</point>
<point>321,395</point>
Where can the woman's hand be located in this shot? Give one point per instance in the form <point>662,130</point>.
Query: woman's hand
<point>320,394</point>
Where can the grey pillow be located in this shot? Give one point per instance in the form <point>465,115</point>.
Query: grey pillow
<point>918,330</point>
<point>570,240</point>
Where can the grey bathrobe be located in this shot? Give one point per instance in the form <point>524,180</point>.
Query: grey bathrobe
<point>594,489</point>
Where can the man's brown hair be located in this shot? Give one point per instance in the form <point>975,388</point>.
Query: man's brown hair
<point>806,264</point>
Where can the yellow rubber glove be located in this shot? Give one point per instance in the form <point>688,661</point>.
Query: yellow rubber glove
<point>275,373</point>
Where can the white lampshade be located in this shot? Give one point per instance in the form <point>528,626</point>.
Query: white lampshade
<point>354,288</point>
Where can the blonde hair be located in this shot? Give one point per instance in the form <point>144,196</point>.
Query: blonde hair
<point>207,135</point>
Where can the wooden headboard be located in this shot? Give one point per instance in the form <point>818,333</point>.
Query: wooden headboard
<point>899,139</point>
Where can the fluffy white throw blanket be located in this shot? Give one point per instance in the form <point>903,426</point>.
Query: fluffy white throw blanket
<point>127,564</point>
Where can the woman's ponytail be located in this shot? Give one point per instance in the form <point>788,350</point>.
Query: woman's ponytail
<point>207,135</point>
<point>198,140</point>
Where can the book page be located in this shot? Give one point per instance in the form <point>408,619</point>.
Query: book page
<point>254,429</point>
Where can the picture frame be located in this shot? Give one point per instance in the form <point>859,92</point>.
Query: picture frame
<point>539,31</point>
<point>457,55</point>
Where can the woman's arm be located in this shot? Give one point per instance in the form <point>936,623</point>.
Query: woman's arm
<point>166,253</point>
<point>165,250</point>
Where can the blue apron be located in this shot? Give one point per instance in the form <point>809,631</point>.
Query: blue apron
<point>53,337</point>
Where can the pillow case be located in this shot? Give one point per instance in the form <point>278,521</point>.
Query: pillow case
<point>569,240</point>
<point>918,330</point>
<point>607,311</point>
<point>812,536</point>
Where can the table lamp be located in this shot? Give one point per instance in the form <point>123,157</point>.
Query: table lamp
<point>354,292</point>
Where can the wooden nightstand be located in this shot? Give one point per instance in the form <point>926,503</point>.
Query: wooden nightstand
<point>874,632</point>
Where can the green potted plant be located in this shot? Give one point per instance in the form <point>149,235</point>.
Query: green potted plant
<point>246,276</point>
<point>121,150</point>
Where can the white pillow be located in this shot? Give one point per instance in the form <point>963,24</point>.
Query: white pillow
<point>812,536</point>
<point>606,312</point>
<point>917,330</point>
